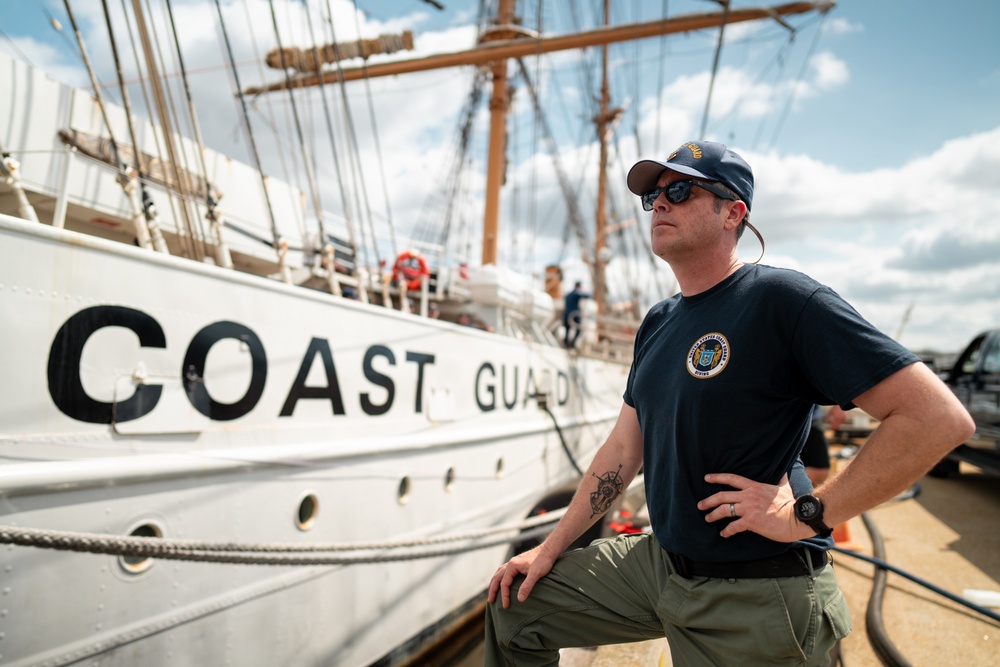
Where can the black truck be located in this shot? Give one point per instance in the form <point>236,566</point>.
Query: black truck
<point>975,380</point>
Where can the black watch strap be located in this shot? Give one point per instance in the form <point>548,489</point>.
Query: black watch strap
<point>809,510</point>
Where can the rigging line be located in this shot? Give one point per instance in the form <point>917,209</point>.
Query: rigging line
<point>576,219</point>
<point>147,102</point>
<point>126,102</point>
<point>308,132</point>
<point>662,71</point>
<point>168,117</point>
<point>192,222</point>
<point>269,105</point>
<point>306,161</point>
<point>222,256</point>
<point>637,246</point>
<point>455,192</point>
<point>142,232</point>
<point>462,157</point>
<point>186,198</point>
<point>738,104</point>
<point>643,238</point>
<point>805,65</point>
<point>249,131</point>
<point>532,221</point>
<point>332,136</point>
<point>375,137</point>
<point>360,190</point>
<point>195,128</point>
<point>715,65</point>
<point>289,124</point>
<point>10,40</point>
<point>54,22</point>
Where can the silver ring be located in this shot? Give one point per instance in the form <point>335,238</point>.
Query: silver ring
<point>732,510</point>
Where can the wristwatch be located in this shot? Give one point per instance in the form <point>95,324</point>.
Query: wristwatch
<point>809,510</point>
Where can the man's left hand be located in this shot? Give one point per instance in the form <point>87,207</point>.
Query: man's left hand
<point>765,509</point>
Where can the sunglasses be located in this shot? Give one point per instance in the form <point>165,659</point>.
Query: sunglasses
<point>679,191</point>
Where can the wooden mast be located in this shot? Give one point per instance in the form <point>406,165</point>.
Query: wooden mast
<point>496,163</point>
<point>602,128</point>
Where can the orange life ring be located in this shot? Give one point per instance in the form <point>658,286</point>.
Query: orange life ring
<point>413,267</point>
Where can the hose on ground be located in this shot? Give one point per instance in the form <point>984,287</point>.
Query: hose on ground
<point>883,646</point>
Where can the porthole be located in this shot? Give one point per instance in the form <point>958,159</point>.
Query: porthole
<point>403,494</point>
<point>308,509</point>
<point>449,480</point>
<point>139,564</point>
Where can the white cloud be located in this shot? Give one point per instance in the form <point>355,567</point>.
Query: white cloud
<point>829,70</point>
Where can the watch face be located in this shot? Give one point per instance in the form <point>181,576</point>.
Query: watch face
<point>808,509</point>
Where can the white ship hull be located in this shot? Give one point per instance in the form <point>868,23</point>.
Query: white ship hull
<point>436,432</point>
<point>148,393</point>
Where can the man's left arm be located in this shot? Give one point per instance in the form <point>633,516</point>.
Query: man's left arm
<point>921,421</point>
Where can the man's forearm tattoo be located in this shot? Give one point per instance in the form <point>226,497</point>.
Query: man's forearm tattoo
<point>609,487</point>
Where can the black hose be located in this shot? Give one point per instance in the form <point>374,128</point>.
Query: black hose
<point>886,651</point>
<point>989,613</point>
<point>544,405</point>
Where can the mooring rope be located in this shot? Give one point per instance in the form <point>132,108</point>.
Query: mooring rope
<point>272,553</point>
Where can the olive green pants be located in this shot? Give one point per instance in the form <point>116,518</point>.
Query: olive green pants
<point>625,589</point>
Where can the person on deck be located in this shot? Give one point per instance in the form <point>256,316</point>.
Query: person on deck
<point>716,409</point>
<point>571,314</point>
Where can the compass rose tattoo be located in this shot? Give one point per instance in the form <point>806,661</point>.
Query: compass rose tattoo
<point>609,487</point>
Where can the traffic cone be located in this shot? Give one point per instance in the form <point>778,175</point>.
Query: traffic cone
<point>842,537</point>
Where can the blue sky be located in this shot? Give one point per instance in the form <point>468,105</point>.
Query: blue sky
<point>875,138</point>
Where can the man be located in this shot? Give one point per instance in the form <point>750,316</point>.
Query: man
<point>716,409</point>
<point>571,314</point>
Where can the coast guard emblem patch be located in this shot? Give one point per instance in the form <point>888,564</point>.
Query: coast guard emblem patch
<point>708,356</point>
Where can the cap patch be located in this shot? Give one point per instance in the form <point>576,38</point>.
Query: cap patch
<point>693,147</point>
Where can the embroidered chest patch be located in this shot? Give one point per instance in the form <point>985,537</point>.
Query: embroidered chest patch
<point>708,356</point>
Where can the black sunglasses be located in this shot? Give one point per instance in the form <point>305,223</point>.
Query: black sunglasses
<point>679,191</point>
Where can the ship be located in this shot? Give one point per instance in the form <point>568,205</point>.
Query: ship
<point>241,429</point>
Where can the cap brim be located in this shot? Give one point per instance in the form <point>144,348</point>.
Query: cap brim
<point>643,175</point>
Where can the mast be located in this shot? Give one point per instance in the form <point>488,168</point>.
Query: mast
<point>602,119</point>
<point>496,162</point>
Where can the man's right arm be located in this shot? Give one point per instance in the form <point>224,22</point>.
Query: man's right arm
<point>612,470</point>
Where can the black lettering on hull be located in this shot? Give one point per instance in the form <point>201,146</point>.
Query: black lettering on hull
<point>299,389</point>
<point>194,371</point>
<point>65,386</point>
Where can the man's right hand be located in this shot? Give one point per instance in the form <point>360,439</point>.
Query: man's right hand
<point>533,564</point>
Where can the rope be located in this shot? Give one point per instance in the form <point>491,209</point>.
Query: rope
<point>271,553</point>
<point>244,107</point>
<point>715,67</point>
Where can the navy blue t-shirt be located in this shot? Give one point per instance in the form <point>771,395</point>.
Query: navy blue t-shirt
<point>725,382</point>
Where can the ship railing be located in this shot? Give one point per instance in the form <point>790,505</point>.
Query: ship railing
<point>615,338</point>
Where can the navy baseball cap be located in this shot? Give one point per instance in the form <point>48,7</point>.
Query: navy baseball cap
<point>707,160</point>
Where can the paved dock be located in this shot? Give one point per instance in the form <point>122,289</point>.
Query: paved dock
<point>653,653</point>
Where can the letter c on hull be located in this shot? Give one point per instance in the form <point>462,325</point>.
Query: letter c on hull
<point>65,386</point>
